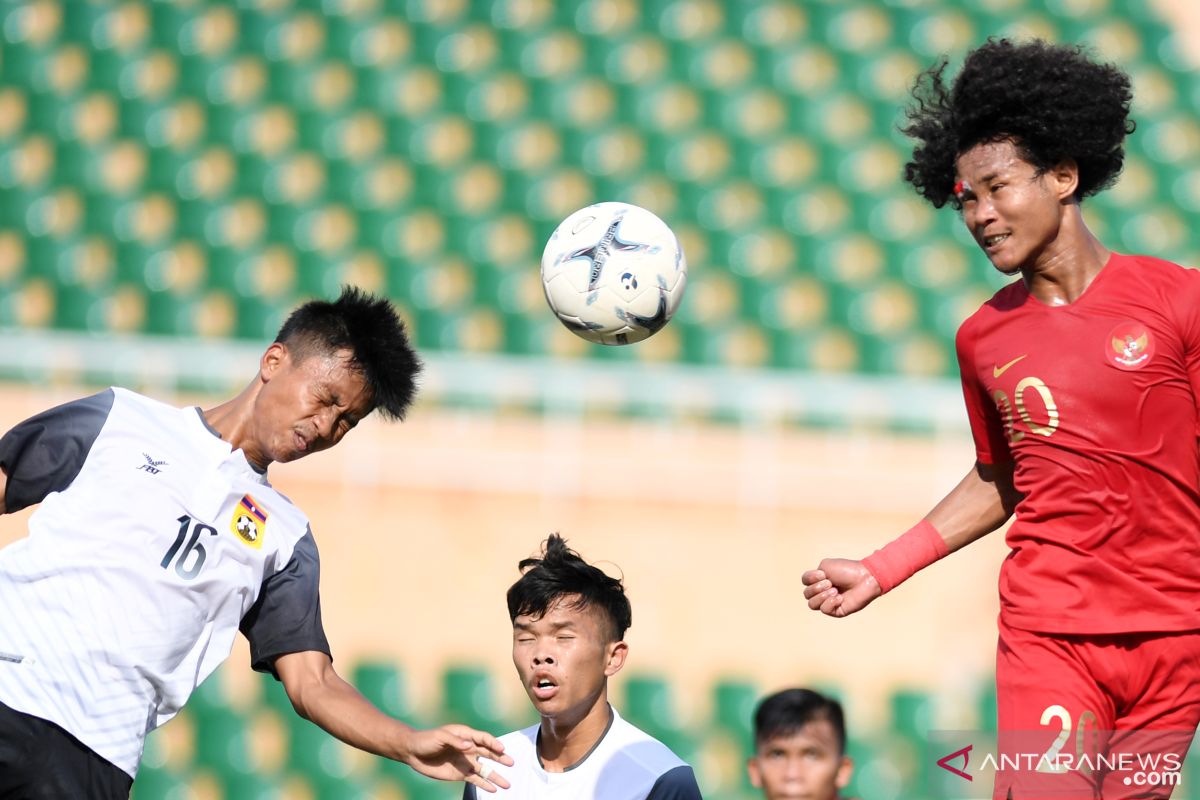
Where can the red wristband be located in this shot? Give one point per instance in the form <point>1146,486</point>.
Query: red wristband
<point>899,560</point>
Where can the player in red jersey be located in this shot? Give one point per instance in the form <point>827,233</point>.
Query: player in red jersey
<point>1080,381</point>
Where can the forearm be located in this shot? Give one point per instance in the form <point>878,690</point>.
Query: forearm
<point>3,488</point>
<point>321,696</point>
<point>337,707</point>
<point>980,504</point>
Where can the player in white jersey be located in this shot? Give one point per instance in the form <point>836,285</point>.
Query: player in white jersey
<point>159,536</point>
<point>569,621</point>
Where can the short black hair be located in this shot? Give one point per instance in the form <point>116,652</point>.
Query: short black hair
<point>1052,101</point>
<point>786,712</point>
<point>562,572</point>
<point>367,326</point>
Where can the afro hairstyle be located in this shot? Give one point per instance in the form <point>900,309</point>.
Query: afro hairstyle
<point>1054,102</point>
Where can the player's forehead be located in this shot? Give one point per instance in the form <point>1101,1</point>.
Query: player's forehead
<point>563,611</point>
<point>335,372</point>
<point>990,159</point>
<point>816,734</point>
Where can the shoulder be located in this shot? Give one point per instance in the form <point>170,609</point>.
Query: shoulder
<point>641,750</point>
<point>1157,270</point>
<point>521,746</point>
<point>523,739</point>
<point>1008,298</point>
<point>131,402</point>
<point>676,784</point>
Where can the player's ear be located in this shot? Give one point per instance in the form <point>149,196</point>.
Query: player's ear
<point>617,651</point>
<point>845,772</point>
<point>1064,178</point>
<point>272,360</point>
<point>754,772</point>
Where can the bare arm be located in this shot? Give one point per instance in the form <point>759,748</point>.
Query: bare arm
<point>981,502</point>
<point>3,486</point>
<point>449,753</point>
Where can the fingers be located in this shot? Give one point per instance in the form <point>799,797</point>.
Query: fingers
<point>486,777</point>
<point>820,587</point>
<point>833,605</point>
<point>812,576</point>
<point>478,743</point>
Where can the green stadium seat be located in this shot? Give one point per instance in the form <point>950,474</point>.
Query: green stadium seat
<point>637,61</point>
<point>912,354</point>
<point>901,217</point>
<point>823,349</point>
<point>859,29</point>
<point>252,786</point>
<point>383,683</point>
<point>734,702</point>
<point>723,65</point>
<point>314,754</point>
<point>911,714</point>
<point>1032,25</point>
<point>775,24</point>
<point>530,147</point>
<point>670,108</point>
<point>817,212</point>
<point>469,697</point>
<point>648,702</point>
<point>552,197</point>
<point>223,742</point>
<point>1156,229</point>
<point>156,783</point>
<point>986,705</point>
<point>936,32</point>
<point>796,303</point>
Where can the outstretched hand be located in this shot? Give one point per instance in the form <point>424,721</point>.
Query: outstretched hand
<point>839,586</point>
<point>452,753</point>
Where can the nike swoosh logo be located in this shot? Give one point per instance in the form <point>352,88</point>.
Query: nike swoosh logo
<point>998,371</point>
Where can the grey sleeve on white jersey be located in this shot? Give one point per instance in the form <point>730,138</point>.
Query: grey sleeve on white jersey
<point>676,784</point>
<point>44,453</point>
<point>286,618</point>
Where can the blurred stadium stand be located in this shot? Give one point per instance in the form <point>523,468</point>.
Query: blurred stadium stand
<point>192,169</point>
<point>174,176</point>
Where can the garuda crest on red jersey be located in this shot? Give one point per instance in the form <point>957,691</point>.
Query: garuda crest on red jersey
<point>1130,346</point>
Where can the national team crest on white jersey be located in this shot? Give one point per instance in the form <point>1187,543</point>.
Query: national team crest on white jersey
<point>249,522</point>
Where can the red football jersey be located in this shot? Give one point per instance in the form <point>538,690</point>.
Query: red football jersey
<point>1095,403</point>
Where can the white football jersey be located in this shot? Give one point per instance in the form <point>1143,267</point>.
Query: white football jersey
<point>154,543</point>
<point>626,764</point>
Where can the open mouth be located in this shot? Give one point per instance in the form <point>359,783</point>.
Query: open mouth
<point>994,241</point>
<point>544,688</point>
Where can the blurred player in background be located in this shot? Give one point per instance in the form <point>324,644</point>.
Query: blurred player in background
<point>1080,380</point>
<point>569,621</point>
<point>159,537</point>
<point>800,747</point>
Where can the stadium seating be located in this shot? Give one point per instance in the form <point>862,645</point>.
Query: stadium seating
<point>263,751</point>
<point>194,170</point>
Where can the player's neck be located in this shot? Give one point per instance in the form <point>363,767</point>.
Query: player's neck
<point>232,419</point>
<point>564,743</point>
<point>1063,270</point>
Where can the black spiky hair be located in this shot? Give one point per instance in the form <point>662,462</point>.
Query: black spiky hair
<point>369,327</point>
<point>561,572</point>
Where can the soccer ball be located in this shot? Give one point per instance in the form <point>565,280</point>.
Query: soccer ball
<point>613,273</point>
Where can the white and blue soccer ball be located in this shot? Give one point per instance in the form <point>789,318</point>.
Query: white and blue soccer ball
<point>614,273</point>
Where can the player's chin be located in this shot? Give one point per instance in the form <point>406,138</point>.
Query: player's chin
<point>545,708</point>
